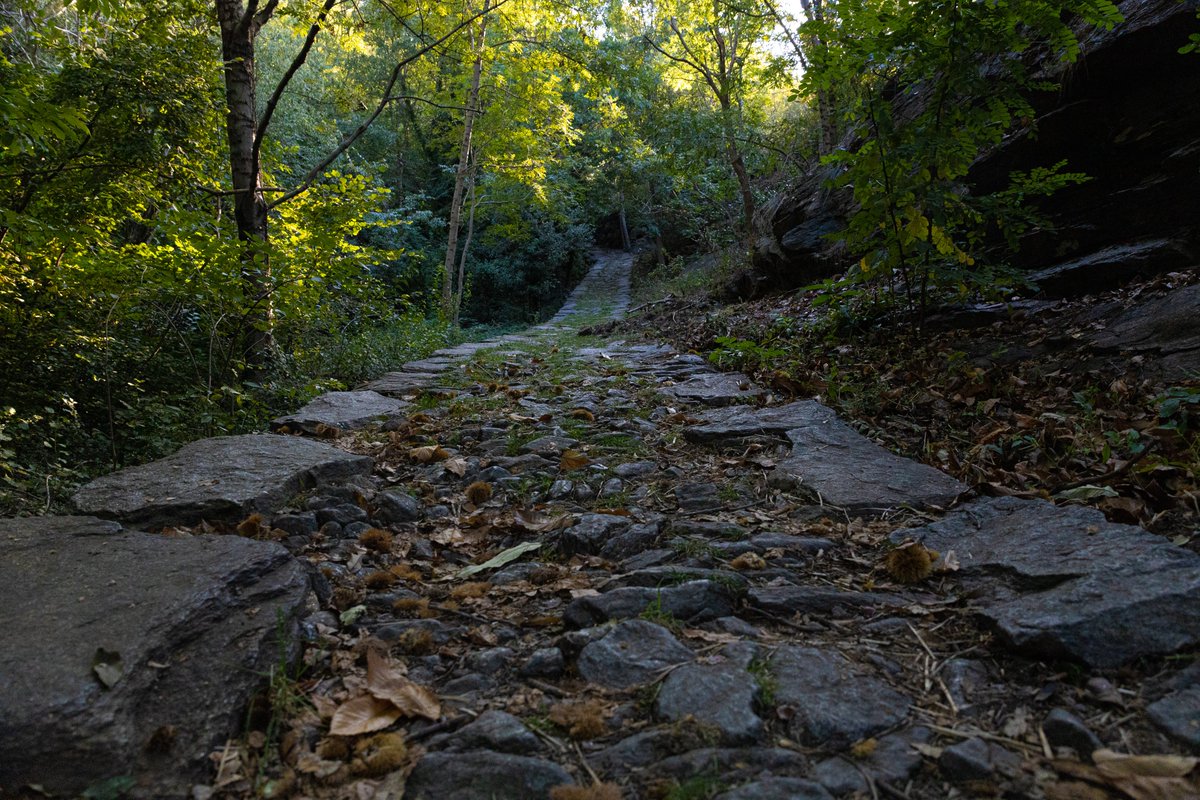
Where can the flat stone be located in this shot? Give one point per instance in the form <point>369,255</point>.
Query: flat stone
<point>721,695</point>
<point>893,760</point>
<point>483,775</point>
<point>846,469</point>
<point>1064,729</point>
<point>635,469</point>
<point>777,789</point>
<point>549,446</point>
<point>741,422</point>
<point>707,528</point>
<point>714,389</point>
<point>392,507</point>
<point>225,478</point>
<point>634,539</point>
<point>194,622</point>
<point>833,702</point>
<point>632,653</point>
<point>1063,582</point>
<point>663,576</point>
<point>644,748</point>
<point>429,365</point>
<point>976,760</point>
<point>732,764</point>
<point>591,533</point>
<point>400,384</point>
<point>495,730</point>
<point>693,602</point>
<point>1179,715</point>
<point>345,411</point>
<point>788,600</point>
<point>810,545</point>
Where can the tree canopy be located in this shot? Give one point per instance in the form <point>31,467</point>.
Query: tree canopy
<point>210,211</point>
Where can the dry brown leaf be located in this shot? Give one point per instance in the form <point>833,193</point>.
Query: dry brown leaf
<point>537,522</point>
<point>456,466</point>
<point>1118,765</point>
<point>573,459</point>
<point>748,561</point>
<point>429,453</point>
<point>386,681</point>
<point>364,714</point>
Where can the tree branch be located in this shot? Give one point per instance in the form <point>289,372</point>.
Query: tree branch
<point>384,100</point>
<point>295,66</point>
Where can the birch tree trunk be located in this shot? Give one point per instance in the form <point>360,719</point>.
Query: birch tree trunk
<point>449,310</point>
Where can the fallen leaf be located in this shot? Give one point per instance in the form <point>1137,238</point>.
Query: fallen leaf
<point>363,714</point>
<point>573,459</point>
<point>456,466</point>
<point>387,682</point>
<point>1118,765</point>
<point>108,667</point>
<point>425,455</point>
<point>1088,492</point>
<point>505,557</point>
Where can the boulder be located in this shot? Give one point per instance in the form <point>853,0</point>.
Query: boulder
<point>342,410</point>
<point>225,478</point>
<point>1165,326</point>
<point>1063,582</point>
<point>131,654</point>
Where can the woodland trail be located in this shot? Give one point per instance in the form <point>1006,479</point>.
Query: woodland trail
<point>589,568</point>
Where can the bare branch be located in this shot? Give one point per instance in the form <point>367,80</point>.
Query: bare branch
<point>295,66</point>
<point>384,100</point>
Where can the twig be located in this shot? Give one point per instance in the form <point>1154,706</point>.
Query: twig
<point>548,688</point>
<point>586,765</point>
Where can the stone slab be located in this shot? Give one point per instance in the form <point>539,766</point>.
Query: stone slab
<point>1063,582</point>
<point>741,422</point>
<point>225,478</point>
<point>848,470</point>
<point>400,384</point>
<point>342,410</point>
<point>196,624</point>
<point>714,389</point>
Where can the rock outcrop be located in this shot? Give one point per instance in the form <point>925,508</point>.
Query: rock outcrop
<point>1127,115</point>
<point>127,654</point>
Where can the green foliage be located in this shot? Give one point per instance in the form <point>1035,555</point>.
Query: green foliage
<point>927,88</point>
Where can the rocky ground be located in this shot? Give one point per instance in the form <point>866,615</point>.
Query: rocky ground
<point>559,564</point>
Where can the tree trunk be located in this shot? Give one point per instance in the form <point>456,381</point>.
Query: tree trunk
<point>238,32</point>
<point>626,245</point>
<point>460,175</point>
<point>466,248</point>
<point>739,165</point>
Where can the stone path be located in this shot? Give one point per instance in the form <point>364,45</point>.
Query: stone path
<point>615,567</point>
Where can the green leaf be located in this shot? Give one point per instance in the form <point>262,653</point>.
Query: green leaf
<point>351,615</point>
<point>108,667</point>
<point>505,557</point>
<point>1088,492</point>
<point>110,789</point>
